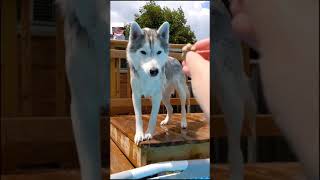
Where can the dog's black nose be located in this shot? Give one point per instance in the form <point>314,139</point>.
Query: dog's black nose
<point>154,71</point>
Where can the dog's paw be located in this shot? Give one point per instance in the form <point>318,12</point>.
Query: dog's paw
<point>183,124</point>
<point>147,136</point>
<point>138,137</point>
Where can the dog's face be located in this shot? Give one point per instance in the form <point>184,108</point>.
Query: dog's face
<point>148,48</point>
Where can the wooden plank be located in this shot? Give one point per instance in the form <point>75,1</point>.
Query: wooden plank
<point>265,126</point>
<point>25,156</point>
<point>123,44</point>
<point>118,43</point>
<point>38,141</point>
<point>49,140</point>
<point>176,46</point>
<point>9,60</point>
<point>39,129</point>
<point>124,88</point>
<point>50,174</point>
<point>45,175</point>
<point>128,84</point>
<point>113,81</point>
<point>118,77</point>
<point>190,143</point>
<point>60,72</point>
<point>26,58</point>
<point>117,54</point>
<point>176,55</point>
<point>262,171</point>
<point>9,68</point>
<point>118,162</point>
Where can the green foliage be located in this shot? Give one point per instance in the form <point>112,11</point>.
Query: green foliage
<point>152,15</point>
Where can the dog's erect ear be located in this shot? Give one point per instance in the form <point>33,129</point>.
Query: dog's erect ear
<point>135,30</point>
<point>163,31</point>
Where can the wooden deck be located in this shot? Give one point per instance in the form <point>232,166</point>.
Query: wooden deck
<point>118,161</point>
<point>190,143</point>
<point>171,134</point>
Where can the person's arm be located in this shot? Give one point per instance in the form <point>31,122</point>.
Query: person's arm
<point>200,80</point>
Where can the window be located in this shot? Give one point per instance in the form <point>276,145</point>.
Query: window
<point>43,17</point>
<point>43,13</point>
<point>123,65</point>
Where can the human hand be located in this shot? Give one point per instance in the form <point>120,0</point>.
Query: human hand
<point>197,66</point>
<point>241,24</point>
<point>202,48</point>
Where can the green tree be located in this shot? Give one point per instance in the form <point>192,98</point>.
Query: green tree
<point>152,15</point>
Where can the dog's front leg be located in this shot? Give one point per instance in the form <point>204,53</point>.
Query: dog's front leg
<point>156,100</point>
<point>136,100</point>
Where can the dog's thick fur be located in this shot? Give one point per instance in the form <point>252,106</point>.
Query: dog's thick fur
<point>148,50</point>
<point>86,61</point>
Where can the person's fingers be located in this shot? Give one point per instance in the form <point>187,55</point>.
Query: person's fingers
<point>241,24</point>
<point>237,6</point>
<point>205,54</point>
<point>194,63</point>
<point>202,45</point>
<point>244,30</point>
<point>191,64</point>
<point>186,71</point>
<point>185,68</point>
<point>183,63</point>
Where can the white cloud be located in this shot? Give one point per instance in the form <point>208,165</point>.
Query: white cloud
<point>197,16</point>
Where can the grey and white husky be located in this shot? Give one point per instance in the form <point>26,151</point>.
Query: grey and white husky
<point>154,74</point>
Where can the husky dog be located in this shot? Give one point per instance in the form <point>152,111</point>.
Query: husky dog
<point>154,74</point>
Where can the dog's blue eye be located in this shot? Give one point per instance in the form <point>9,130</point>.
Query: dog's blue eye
<point>143,52</point>
<point>159,52</point>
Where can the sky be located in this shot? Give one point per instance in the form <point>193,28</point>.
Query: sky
<point>196,13</point>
